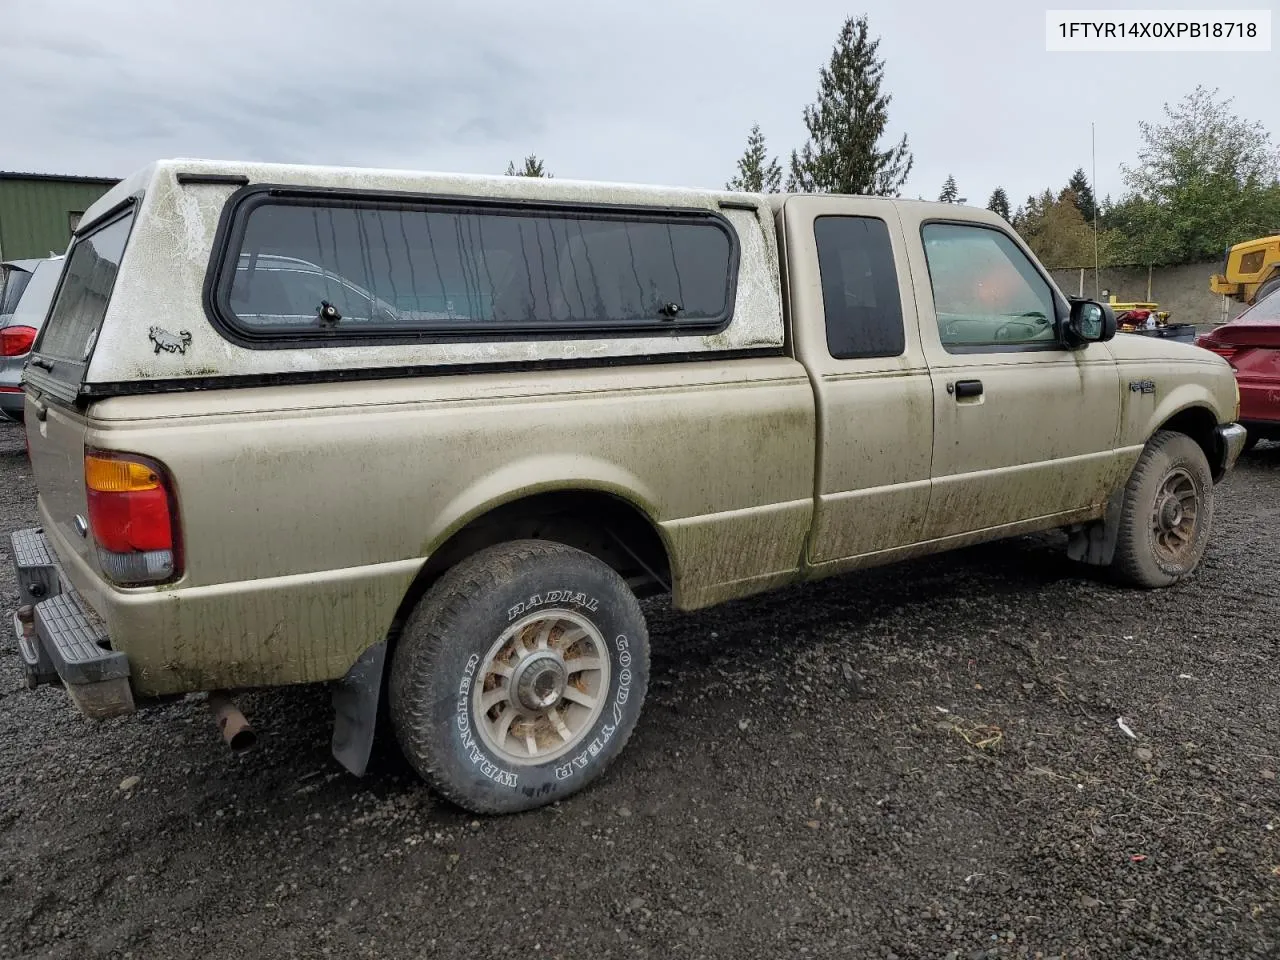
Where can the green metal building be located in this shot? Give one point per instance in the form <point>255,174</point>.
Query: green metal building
<point>38,211</point>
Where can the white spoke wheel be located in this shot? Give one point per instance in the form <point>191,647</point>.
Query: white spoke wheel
<point>519,676</point>
<point>541,686</point>
<point>1166,513</point>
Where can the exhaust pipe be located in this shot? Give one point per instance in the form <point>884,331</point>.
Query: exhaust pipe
<point>235,728</point>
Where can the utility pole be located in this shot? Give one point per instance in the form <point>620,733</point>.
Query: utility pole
<point>1093,141</point>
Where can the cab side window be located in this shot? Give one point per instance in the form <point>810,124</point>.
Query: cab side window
<point>860,293</point>
<point>986,292</point>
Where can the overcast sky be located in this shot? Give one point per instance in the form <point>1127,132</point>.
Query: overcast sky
<point>658,92</point>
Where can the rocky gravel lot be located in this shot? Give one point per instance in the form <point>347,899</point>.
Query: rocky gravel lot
<point>919,761</point>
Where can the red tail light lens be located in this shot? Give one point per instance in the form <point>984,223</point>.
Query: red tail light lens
<point>1224,350</point>
<point>133,518</point>
<point>15,341</point>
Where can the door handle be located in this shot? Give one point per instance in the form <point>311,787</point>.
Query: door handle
<point>967,388</point>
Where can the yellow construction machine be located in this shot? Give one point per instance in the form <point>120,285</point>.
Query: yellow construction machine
<point>1250,271</point>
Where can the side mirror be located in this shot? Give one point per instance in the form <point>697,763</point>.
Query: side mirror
<point>1089,322</point>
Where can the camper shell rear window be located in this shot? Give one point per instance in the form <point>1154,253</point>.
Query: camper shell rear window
<point>294,265</point>
<point>87,280</point>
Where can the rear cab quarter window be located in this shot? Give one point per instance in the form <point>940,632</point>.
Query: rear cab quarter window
<point>862,303</point>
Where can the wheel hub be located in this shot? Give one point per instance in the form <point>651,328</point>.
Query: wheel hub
<point>1170,514</point>
<point>541,687</point>
<point>538,681</point>
<point>1175,517</point>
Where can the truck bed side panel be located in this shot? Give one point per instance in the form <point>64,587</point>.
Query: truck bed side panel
<point>307,510</point>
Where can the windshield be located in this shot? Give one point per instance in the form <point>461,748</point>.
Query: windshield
<point>33,307</point>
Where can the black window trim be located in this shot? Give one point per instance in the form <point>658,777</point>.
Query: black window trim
<point>1060,308</point>
<point>106,218</point>
<point>902,303</point>
<point>235,215</point>
<point>53,373</point>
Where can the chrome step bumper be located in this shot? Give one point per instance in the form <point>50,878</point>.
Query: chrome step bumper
<point>60,638</point>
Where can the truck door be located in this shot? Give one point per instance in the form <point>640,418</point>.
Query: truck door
<point>1024,428</point>
<point>854,326</point>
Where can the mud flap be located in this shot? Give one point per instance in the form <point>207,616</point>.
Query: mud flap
<point>355,709</point>
<point>1095,543</point>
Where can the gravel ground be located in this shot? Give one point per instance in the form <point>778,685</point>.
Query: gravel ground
<point>919,761</point>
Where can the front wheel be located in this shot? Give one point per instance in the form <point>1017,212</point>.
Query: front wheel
<point>519,676</point>
<point>1166,514</point>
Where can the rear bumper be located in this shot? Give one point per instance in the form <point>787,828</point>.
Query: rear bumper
<point>59,637</point>
<point>1230,444</point>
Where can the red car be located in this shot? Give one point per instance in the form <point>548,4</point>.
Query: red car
<point>1251,344</point>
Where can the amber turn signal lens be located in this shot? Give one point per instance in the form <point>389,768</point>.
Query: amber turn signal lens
<point>118,476</point>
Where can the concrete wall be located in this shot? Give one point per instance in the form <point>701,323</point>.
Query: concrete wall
<point>1182,290</point>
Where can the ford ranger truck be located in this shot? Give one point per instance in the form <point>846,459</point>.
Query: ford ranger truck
<point>427,438</point>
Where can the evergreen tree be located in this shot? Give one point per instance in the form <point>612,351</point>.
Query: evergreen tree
<point>846,124</point>
<point>532,167</point>
<point>1085,202</point>
<point>949,192</point>
<point>1058,234</point>
<point>757,172</point>
<point>999,202</point>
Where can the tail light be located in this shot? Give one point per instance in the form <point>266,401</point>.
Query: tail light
<point>1224,350</point>
<point>133,517</point>
<point>15,341</point>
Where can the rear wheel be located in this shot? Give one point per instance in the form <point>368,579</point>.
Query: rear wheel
<point>1167,512</point>
<point>519,676</point>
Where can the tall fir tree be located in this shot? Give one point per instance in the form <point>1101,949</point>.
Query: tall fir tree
<point>846,124</point>
<point>999,203</point>
<point>757,171</point>
<point>532,167</point>
<point>949,192</point>
<point>1084,199</point>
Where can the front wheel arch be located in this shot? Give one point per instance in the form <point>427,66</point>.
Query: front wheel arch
<point>1095,543</point>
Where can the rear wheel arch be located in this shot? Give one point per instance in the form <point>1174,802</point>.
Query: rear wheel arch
<point>602,523</point>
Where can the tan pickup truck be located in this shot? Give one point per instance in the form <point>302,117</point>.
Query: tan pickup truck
<point>428,438</point>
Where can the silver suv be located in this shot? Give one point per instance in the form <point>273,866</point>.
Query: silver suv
<point>28,291</point>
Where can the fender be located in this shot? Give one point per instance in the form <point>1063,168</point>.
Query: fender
<point>357,695</point>
<point>533,475</point>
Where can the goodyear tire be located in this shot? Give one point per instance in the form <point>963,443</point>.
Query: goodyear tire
<point>1167,512</point>
<point>519,676</point>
